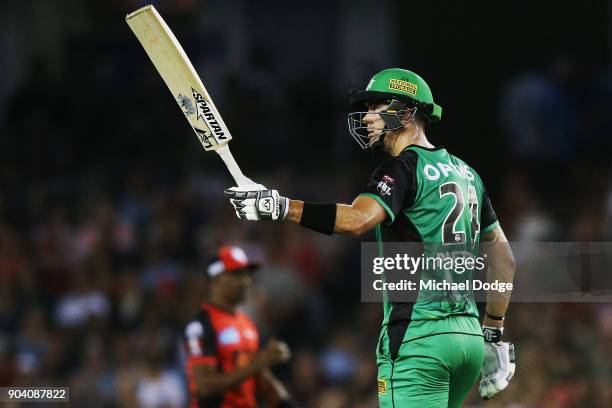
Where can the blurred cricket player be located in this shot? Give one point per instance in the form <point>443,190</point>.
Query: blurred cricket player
<point>430,352</point>
<point>225,366</point>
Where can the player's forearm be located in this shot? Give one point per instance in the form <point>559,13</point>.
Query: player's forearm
<point>353,221</point>
<point>348,219</point>
<point>271,389</point>
<point>363,214</point>
<point>295,211</point>
<point>501,268</point>
<point>317,217</point>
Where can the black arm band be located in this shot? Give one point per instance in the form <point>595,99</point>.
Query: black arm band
<point>319,217</point>
<point>492,317</point>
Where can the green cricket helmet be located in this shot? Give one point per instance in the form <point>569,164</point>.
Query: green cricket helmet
<point>403,90</point>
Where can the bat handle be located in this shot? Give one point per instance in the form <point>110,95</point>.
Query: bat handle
<point>232,166</point>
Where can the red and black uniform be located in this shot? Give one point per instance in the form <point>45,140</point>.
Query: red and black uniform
<point>228,342</point>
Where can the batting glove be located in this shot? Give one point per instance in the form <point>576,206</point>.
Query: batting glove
<point>255,202</point>
<point>499,363</point>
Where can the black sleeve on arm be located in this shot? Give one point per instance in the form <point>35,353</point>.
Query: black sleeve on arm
<point>319,217</point>
<point>488,218</point>
<point>393,184</point>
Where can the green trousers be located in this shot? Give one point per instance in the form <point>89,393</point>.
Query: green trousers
<point>435,364</point>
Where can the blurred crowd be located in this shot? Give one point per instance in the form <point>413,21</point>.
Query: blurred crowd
<point>110,211</point>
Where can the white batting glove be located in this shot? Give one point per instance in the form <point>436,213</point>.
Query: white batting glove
<point>255,202</point>
<point>499,363</point>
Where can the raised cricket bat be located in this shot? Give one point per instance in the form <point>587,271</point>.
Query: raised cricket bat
<point>186,86</point>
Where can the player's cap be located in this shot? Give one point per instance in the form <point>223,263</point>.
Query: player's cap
<point>231,258</point>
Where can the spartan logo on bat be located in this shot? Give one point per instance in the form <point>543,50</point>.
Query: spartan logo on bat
<point>204,137</point>
<point>186,104</point>
<point>203,111</point>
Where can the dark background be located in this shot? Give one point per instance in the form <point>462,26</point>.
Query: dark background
<point>110,209</point>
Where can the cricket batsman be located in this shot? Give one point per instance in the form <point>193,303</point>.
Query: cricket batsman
<point>225,366</point>
<point>430,352</point>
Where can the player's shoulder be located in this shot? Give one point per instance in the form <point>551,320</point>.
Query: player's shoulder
<point>408,156</point>
<point>404,162</point>
<point>457,159</point>
<point>469,170</point>
<point>194,329</point>
<point>200,324</point>
<point>244,318</point>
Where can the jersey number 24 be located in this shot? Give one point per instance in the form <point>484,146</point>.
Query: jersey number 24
<point>450,232</point>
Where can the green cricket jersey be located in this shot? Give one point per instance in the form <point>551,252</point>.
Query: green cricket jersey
<point>434,198</point>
